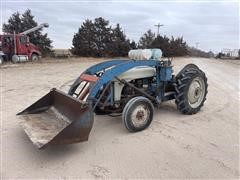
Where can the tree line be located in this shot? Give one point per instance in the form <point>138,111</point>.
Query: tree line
<point>170,46</point>
<point>97,38</point>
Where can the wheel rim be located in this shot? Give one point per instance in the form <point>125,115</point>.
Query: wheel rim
<point>34,58</point>
<point>196,92</point>
<point>140,115</point>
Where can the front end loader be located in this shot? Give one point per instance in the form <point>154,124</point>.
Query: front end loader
<point>130,88</point>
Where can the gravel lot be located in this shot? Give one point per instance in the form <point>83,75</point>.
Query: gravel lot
<point>205,145</point>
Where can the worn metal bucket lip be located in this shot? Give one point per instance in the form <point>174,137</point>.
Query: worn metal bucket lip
<point>83,121</point>
<point>52,90</point>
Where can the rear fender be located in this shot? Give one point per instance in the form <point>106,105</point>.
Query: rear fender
<point>188,66</point>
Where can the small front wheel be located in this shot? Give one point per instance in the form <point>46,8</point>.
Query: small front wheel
<point>1,60</point>
<point>35,57</point>
<point>138,114</point>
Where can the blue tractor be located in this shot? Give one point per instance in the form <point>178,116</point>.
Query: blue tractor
<point>130,88</point>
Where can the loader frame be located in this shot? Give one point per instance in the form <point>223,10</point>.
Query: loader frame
<point>107,72</point>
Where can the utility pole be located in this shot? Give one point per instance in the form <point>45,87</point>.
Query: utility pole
<point>158,26</point>
<point>197,43</point>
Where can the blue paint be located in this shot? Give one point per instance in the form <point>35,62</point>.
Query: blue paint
<point>114,68</point>
<point>118,69</point>
<point>104,65</point>
<point>166,73</point>
<point>96,68</point>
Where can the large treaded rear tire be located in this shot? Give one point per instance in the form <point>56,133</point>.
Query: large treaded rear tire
<point>183,88</point>
<point>138,114</point>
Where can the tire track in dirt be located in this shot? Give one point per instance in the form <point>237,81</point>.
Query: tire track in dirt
<point>169,136</point>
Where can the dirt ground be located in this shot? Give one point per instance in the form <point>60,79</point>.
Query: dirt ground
<point>205,145</point>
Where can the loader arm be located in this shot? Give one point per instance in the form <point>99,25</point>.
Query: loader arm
<point>104,65</point>
<point>115,71</point>
<point>93,70</point>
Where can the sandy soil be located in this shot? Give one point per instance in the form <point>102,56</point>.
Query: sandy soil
<point>205,145</point>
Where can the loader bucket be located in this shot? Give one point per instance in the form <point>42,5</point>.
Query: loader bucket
<point>57,118</point>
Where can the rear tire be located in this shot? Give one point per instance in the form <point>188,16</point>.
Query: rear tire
<point>138,114</point>
<point>191,90</point>
<point>35,57</point>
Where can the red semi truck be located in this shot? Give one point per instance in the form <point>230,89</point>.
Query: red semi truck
<point>16,47</point>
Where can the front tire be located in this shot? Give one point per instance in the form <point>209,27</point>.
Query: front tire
<point>1,60</point>
<point>191,90</point>
<point>137,114</point>
<point>35,57</point>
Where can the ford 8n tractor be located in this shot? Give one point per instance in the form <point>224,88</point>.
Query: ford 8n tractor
<point>130,88</point>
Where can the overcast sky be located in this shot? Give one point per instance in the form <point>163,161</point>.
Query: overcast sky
<point>214,24</point>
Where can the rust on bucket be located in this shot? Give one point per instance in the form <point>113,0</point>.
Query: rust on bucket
<point>57,118</point>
